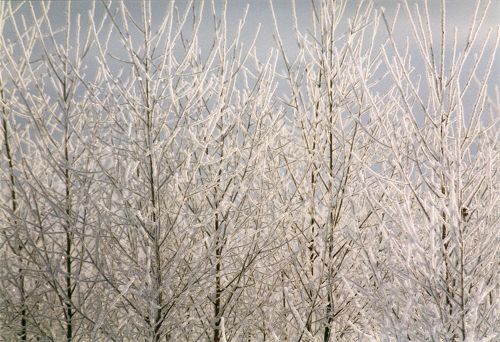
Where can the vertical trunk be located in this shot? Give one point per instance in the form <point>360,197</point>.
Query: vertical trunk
<point>156,264</point>
<point>157,278</point>
<point>68,305</point>
<point>69,237</point>
<point>327,333</point>
<point>23,334</point>
<point>218,288</point>
<point>329,304</point>
<point>312,243</point>
<point>447,273</point>
<point>218,257</point>
<point>284,301</point>
<point>464,219</point>
<point>69,291</point>
<point>219,241</point>
<point>66,88</point>
<point>17,251</point>
<point>312,255</point>
<point>158,298</point>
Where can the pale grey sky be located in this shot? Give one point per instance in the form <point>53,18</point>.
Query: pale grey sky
<point>458,14</point>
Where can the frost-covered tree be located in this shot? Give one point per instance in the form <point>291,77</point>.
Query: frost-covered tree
<point>163,179</point>
<point>44,107</point>
<point>435,269</point>
<point>146,242</point>
<point>13,291</point>
<point>328,147</point>
<point>234,125</point>
<point>182,142</point>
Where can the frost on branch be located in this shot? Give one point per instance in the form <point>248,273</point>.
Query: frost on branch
<point>167,176</point>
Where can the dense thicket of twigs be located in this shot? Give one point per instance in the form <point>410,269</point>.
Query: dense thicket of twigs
<point>159,187</point>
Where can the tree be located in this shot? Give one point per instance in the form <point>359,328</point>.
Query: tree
<point>164,179</point>
<point>54,185</point>
<point>328,106</point>
<point>11,234</point>
<point>438,218</point>
<point>144,242</point>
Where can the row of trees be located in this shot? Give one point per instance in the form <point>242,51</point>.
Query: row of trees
<point>158,187</point>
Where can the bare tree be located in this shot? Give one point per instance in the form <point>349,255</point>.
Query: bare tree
<point>235,127</point>
<point>143,246</point>
<point>439,216</point>
<point>327,107</point>
<point>50,102</point>
<point>11,233</point>
<point>164,180</point>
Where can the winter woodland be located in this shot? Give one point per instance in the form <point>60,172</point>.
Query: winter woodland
<point>170,181</point>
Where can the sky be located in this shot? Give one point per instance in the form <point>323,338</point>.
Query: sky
<point>458,15</point>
